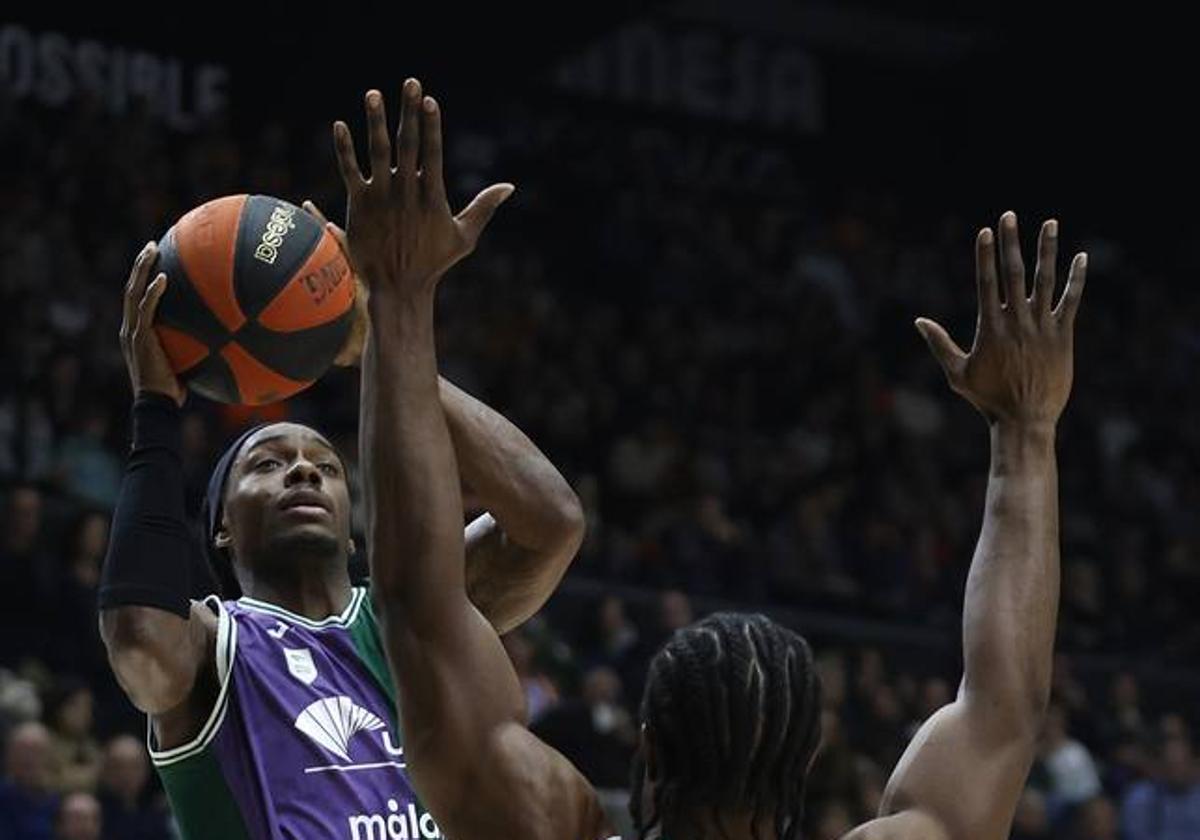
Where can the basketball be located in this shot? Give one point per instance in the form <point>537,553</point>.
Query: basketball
<point>258,302</point>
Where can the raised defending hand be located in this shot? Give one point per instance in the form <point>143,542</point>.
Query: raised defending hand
<point>1020,366</point>
<point>400,231</point>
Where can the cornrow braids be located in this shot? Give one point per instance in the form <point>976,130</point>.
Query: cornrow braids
<point>732,710</point>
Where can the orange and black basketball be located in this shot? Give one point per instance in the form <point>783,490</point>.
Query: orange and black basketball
<point>259,302</point>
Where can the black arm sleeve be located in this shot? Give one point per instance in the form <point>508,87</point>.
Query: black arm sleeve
<point>150,548</point>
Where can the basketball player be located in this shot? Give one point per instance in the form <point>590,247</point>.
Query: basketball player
<point>272,715</point>
<point>731,709</point>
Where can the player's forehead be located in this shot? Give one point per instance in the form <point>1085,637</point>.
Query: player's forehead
<point>286,436</point>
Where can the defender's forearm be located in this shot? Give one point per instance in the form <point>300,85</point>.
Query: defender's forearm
<point>414,510</point>
<point>1011,602</point>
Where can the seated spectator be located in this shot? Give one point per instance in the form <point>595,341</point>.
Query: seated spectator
<point>87,468</point>
<point>1071,771</point>
<point>1096,819</point>
<point>540,692</point>
<point>834,774</point>
<point>1166,807</point>
<point>24,569</point>
<point>78,818</point>
<point>675,613</point>
<point>617,635</point>
<point>27,801</point>
<point>1031,822</point>
<point>19,701</point>
<point>76,755</point>
<point>73,645</point>
<point>132,809</point>
<point>1123,719</point>
<point>594,731</point>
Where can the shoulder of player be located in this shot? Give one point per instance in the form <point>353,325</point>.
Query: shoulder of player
<point>907,825</point>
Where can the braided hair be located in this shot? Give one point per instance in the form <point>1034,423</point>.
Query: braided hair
<point>732,710</point>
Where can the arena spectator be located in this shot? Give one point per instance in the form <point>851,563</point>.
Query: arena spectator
<point>78,818</point>
<point>27,801</point>
<point>76,755</point>
<point>1166,807</point>
<point>133,809</point>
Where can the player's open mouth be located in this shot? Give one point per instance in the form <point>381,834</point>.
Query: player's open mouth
<point>307,510</point>
<point>306,502</point>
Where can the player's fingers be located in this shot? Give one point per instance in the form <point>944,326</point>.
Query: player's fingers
<point>985,276</point>
<point>948,354</point>
<point>1012,266</point>
<point>135,288</point>
<point>479,212</point>
<point>432,179</point>
<point>148,306</point>
<point>378,143</point>
<point>347,158</point>
<point>1073,294</point>
<point>314,211</point>
<point>408,134</point>
<point>1045,274</point>
<point>336,232</point>
<point>339,236</point>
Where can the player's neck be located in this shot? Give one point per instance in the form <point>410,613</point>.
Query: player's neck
<point>312,596</point>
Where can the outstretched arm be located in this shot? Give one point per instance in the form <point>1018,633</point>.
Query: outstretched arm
<point>476,767</point>
<point>518,550</point>
<point>964,770</point>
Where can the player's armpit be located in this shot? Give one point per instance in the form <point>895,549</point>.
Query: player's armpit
<point>960,774</point>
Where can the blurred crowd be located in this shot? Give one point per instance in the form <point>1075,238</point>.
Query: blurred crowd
<point>729,379</point>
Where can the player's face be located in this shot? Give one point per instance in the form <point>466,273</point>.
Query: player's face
<point>287,489</point>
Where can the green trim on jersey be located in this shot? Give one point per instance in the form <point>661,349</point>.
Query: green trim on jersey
<point>347,617</point>
<point>226,651</point>
<point>200,798</point>
<point>364,631</point>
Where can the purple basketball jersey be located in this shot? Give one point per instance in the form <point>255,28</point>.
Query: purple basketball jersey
<point>303,742</point>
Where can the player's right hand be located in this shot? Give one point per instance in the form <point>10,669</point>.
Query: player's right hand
<point>1020,366</point>
<point>400,230</point>
<point>149,369</point>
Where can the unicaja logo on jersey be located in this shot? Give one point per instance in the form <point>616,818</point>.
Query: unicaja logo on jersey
<point>282,220</point>
<point>332,722</point>
<point>394,825</point>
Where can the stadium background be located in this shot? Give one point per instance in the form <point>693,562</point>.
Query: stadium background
<point>699,304</point>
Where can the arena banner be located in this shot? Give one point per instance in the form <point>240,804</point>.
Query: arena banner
<point>56,70</point>
<point>702,72</point>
